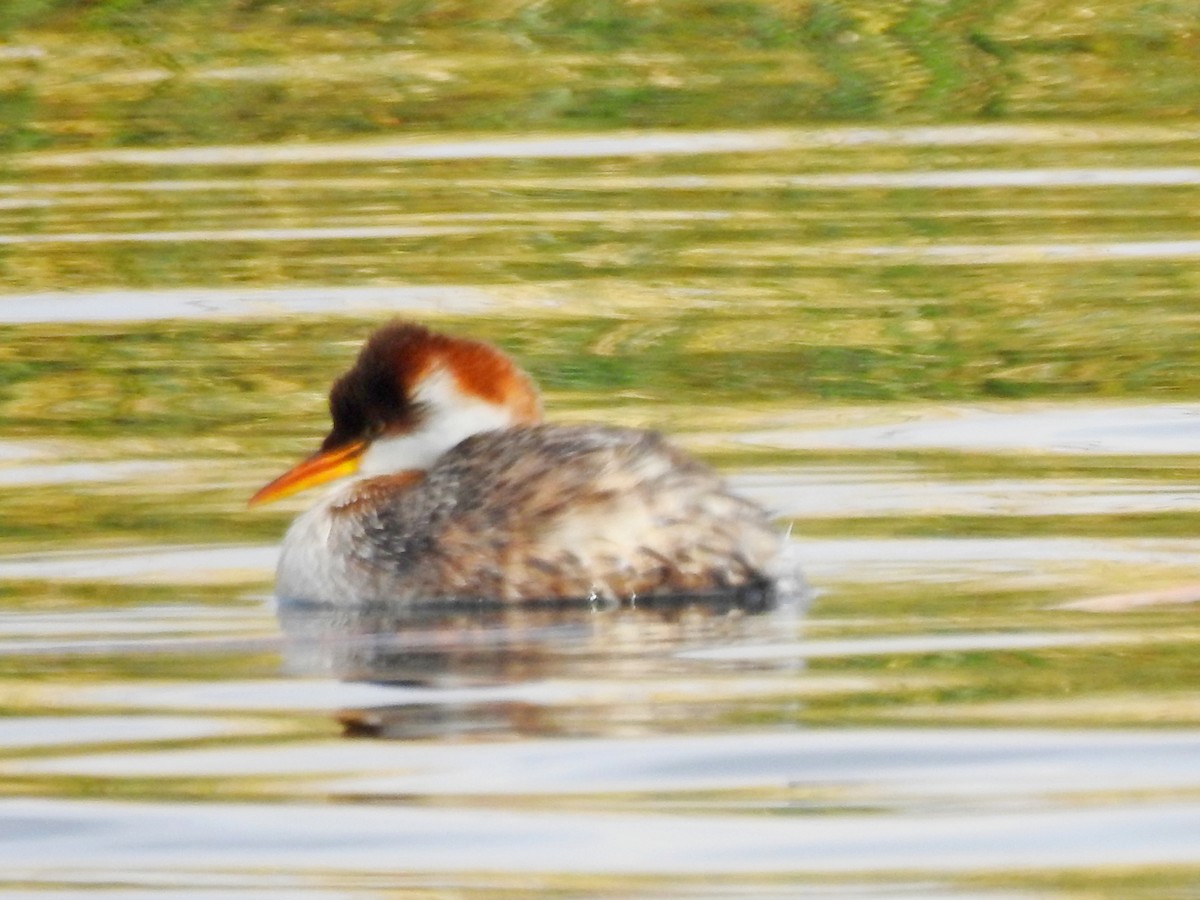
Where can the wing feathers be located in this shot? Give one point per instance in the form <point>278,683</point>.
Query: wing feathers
<point>553,511</point>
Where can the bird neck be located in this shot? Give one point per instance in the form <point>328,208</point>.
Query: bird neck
<point>448,417</point>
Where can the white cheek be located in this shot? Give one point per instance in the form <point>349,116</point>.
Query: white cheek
<point>450,418</point>
<point>398,453</point>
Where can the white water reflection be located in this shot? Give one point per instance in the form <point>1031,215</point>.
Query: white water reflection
<point>272,885</point>
<point>922,179</point>
<point>326,695</point>
<point>313,233</point>
<point>557,147</point>
<point>662,143</point>
<point>1005,254</point>
<point>39,195</point>
<point>238,186</point>
<point>11,451</point>
<point>190,646</point>
<point>845,491</point>
<point>141,620</point>
<point>889,767</point>
<point>142,564</point>
<point>933,253</point>
<point>996,560</point>
<point>45,194</point>
<point>1142,429</point>
<point>68,473</point>
<point>103,836</point>
<point>217,303</point>
<point>144,629</point>
<point>1000,178</point>
<point>23,732</point>
<point>915,643</point>
<point>1186,593</point>
<point>145,564</point>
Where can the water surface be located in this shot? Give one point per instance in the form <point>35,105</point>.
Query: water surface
<point>957,362</point>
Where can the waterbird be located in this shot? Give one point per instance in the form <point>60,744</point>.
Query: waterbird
<point>448,486</point>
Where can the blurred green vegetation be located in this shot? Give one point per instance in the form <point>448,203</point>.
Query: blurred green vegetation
<point>142,73</point>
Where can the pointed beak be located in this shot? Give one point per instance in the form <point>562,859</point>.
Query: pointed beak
<point>317,469</point>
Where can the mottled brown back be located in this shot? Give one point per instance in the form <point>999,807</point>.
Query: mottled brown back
<point>559,511</point>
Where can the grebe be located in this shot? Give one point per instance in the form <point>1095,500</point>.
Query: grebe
<point>455,490</point>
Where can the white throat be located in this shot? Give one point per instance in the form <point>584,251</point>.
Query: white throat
<point>449,417</point>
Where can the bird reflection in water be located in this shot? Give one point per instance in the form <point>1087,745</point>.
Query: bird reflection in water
<point>451,653</point>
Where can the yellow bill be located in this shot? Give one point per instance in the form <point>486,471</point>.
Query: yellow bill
<point>317,469</point>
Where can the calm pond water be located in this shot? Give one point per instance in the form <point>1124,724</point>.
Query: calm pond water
<point>958,361</point>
